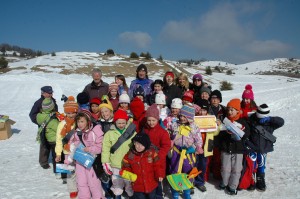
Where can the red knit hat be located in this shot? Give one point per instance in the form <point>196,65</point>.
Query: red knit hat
<point>235,103</point>
<point>248,93</point>
<point>70,106</point>
<point>95,100</point>
<point>153,111</point>
<point>170,74</point>
<point>188,96</point>
<point>137,107</point>
<point>120,114</point>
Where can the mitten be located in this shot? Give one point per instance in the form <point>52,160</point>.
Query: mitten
<point>128,175</point>
<point>107,168</point>
<point>264,120</point>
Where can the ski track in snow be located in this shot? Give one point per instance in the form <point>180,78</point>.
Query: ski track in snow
<point>22,177</point>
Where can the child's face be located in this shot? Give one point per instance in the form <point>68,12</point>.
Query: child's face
<point>214,101</point>
<point>124,106</point>
<point>82,123</point>
<point>247,100</point>
<point>181,81</point>
<point>205,95</point>
<point>118,81</point>
<point>113,93</point>
<point>152,122</point>
<point>121,124</point>
<point>175,111</point>
<point>232,112</point>
<point>203,112</point>
<point>139,147</point>
<point>185,102</point>
<point>105,113</point>
<point>183,119</point>
<point>141,97</point>
<point>71,115</point>
<point>197,82</point>
<point>157,87</point>
<point>95,108</point>
<point>169,79</point>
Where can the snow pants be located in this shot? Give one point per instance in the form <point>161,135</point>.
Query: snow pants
<point>118,183</point>
<point>201,163</point>
<point>261,162</point>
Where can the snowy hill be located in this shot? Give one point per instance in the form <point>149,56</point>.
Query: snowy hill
<point>22,177</point>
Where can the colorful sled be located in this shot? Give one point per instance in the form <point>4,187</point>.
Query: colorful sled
<point>181,181</point>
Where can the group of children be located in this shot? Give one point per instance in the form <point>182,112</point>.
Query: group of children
<point>139,140</point>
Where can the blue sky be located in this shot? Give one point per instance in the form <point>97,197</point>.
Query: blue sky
<point>232,31</point>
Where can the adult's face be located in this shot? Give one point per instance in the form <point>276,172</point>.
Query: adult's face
<point>142,74</point>
<point>97,78</point>
<point>47,95</point>
<point>169,79</point>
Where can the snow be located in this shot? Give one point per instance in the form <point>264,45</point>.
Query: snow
<point>22,177</point>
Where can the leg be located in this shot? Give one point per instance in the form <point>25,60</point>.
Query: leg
<point>237,166</point>
<point>82,182</point>
<point>175,194</point>
<point>260,175</point>
<point>201,166</point>
<point>226,167</point>
<point>159,191</point>
<point>94,184</point>
<point>43,156</point>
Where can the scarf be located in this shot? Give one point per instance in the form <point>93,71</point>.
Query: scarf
<point>236,117</point>
<point>66,129</point>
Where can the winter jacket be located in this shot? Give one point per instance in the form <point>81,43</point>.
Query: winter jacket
<point>37,108</point>
<point>197,93</point>
<point>161,140</point>
<point>146,166</point>
<point>171,92</point>
<point>145,83</point>
<point>105,124</point>
<point>246,110</point>
<point>140,122</point>
<point>220,113</point>
<point>59,137</point>
<point>51,127</point>
<point>110,138</point>
<point>115,103</point>
<point>92,139</point>
<point>231,146</point>
<point>263,145</point>
<point>96,91</point>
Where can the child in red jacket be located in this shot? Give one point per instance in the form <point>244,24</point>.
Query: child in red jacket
<point>141,166</point>
<point>248,104</point>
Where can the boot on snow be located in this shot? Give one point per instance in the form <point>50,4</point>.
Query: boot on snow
<point>260,182</point>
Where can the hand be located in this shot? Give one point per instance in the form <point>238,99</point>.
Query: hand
<point>107,168</point>
<point>264,120</point>
<point>58,158</point>
<point>160,179</point>
<point>86,149</point>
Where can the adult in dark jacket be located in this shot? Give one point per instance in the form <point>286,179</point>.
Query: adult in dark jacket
<point>197,85</point>
<point>97,88</point>
<point>170,89</point>
<point>263,144</point>
<point>46,92</point>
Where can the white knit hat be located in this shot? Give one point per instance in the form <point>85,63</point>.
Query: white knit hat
<point>160,98</point>
<point>176,103</point>
<point>262,111</point>
<point>124,98</point>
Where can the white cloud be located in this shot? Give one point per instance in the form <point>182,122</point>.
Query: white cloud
<point>224,31</point>
<point>138,39</point>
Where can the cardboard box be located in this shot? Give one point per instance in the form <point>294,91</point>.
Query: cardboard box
<point>5,128</point>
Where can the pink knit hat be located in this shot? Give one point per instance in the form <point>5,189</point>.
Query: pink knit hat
<point>153,111</point>
<point>248,93</point>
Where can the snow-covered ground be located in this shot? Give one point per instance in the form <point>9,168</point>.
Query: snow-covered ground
<point>22,177</point>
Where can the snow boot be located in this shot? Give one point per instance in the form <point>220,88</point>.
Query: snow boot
<point>230,191</point>
<point>260,182</point>
<point>73,195</point>
<point>202,188</point>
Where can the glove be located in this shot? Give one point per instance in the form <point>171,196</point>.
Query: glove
<point>107,168</point>
<point>128,175</point>
<point>265,120</point>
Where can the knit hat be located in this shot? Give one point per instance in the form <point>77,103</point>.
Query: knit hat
<point>205,89</point>
<point>157,81</point>
<point>143,139</point>
<point>83,98</point>
<point>188,111</point>
<point>153,111</point>
<point>142,67</point>
<point>124,98</point>
<point>95,100</point>
<point>188,96</point>
<point>197,76</point>
<point>170,73</point>
<point>235,103</point>
<point>160,98</point>
<point>248,93</point>
<point>70,106</point>
<point>139,91</point>
<point>87,113</point>
<point>106,103</point>
<point>113,86</point>
<point>263,111</point>
<point>47,89</point>
<point>137,107</point>
<point>217,94</point>
<point>176,103</point>
<point>203,103</point>
<point>120,114</point>
<point>48,105</point>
